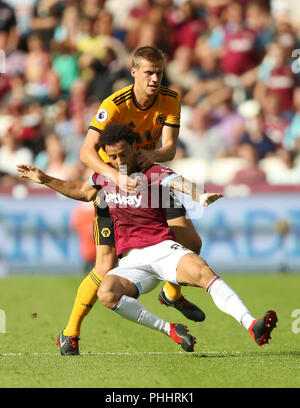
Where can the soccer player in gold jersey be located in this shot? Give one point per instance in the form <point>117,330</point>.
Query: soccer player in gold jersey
<point>153,112</point>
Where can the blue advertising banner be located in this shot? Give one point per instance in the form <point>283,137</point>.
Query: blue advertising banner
<point>260,232</point>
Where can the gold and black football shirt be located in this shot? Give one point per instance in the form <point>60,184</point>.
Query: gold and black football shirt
<point>147,123</point>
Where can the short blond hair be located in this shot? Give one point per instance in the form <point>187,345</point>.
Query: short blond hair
<point>148,53</point>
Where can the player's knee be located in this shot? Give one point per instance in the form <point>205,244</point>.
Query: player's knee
<point>205,275</point>
<point>202,273</point>
<point>107,296</point>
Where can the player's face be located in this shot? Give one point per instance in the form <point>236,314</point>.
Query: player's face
<point>121,156</point>
<point>147,76</point>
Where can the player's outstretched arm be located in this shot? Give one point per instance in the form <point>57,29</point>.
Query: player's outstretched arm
<point>76,189</point>
<point>194,190</point>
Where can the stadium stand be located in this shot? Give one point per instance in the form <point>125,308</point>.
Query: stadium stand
<point>62,57</point>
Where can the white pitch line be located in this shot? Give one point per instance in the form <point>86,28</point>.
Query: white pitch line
<point>108,353</point>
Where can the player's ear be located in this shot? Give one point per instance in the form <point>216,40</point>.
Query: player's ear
<point>132,71</point>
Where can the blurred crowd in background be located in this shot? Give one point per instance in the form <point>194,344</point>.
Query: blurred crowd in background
<point>234,64</point>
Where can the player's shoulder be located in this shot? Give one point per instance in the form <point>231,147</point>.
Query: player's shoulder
<point>98,180</point>
<point>157,168</point>
<point>167,92</point>
<point>121,95</point>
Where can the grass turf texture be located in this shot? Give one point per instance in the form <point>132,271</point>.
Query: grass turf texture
<point>119,353</point>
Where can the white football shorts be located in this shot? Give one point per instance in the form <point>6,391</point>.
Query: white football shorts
<point>146,267</point>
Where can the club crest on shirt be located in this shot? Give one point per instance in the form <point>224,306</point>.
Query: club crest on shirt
<point>160,119</point>
<point>102,115</point>
<point>105,232</point>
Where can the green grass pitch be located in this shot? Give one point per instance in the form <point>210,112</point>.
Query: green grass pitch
<point>116,353</point>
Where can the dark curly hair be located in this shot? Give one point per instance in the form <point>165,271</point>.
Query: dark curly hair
<point>114,133</point>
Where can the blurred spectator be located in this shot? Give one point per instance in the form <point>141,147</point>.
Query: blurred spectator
<point>12,153</point>
<point>91,8</point>
<point>32,122</point>
<point>291,138</point>
<point>238,52</point>
<point>14,57</point>
<point>72,133</point>
<point>96,43</point>
<point>7,16</point>
<point>229,60</point>
<point>231,125</point>
<point>105,73</point>
<point>275,76</point>
<point>46,15</point>
<point>120,11</point>
<point>187,25</point>
<point>65,64</point>
<point>274,124</point>
<point>258,19</point>
<point>147,25</point>
<point>286,36</point>
<point>52,159</point>
<point>69,27</point>
<point>209,77</point>
<point>256,136</point>
<point>252,173</point>
<point>180,71</point>
<point>24,10</point>
<point>82,221</point>
<point>38,74</point>
<point>70,124</point>
<point>78,97</point>
<point>200,138</point>
<point>38,59</point>
<point>284,170</point>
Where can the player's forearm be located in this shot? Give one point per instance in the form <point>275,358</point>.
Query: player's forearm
<point>164,154</point>
<point>90,157</point>
<point>69,188</point>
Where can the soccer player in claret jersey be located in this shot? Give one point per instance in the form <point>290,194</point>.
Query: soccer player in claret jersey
<point>153,113</point>
<point>147,248</point>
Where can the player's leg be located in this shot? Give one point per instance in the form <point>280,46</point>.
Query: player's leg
<point>119,293</point>
<point>186,235</point>
<point>86,296</point>
<point>87,291</point>
<point>194,271</point>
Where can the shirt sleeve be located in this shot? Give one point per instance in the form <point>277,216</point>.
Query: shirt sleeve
<point>97,181</point>
<point>161,175</point>
<point>107,113</point>
<point>173,116</point>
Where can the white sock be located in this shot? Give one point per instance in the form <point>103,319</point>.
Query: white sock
<point>133,310</point>
<point>229,302</point>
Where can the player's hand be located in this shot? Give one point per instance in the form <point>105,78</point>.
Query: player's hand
<point>209,198</point>
<point>144,159</point>
<point>31,172</point>
<point>127,183</point>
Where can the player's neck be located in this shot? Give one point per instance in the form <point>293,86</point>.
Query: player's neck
<point>141,100</point>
